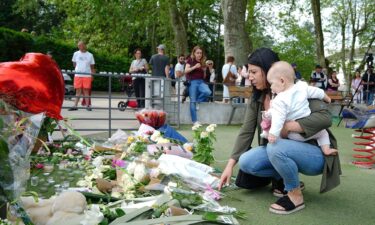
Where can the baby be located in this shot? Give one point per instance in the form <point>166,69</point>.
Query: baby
<point>291,103</point>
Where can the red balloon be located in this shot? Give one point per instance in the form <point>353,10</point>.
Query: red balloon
<point>34,84</point>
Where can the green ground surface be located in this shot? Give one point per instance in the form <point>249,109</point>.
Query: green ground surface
<point>350,203</point>
<point>353,202</point>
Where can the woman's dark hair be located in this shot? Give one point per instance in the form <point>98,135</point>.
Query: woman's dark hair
<point>136,50</point>
<point>264,58</point>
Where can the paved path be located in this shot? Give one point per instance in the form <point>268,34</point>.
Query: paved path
<point>99,113</point>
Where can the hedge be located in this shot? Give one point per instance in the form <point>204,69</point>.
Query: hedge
<point>15,44</point>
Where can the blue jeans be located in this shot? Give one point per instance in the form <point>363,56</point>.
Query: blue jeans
<point>283,159</point>
<point>368,97</point>
<point>198,92</point>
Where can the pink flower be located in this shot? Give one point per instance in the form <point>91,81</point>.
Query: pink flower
<point>87,157</point>
<point>39,166</point>
<point>118,162</point>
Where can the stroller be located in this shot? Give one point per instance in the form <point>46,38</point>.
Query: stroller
<point>127,87</point>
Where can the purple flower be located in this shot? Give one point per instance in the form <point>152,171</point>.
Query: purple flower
<point>118,163</point>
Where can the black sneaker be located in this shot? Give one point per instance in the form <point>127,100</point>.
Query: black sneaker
<point>73,109</point>
<point>89,108</point>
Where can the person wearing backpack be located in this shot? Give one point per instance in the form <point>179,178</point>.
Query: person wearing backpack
<point>228,69</point>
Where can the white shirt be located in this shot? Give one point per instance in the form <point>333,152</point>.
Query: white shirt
<point>83,62</point>
<point>138,64</point>
<point>180,67</point>
<point>292,104</point>
<point>225,69</point>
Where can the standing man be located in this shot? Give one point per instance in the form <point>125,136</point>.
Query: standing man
<point>160,63</point>
<point>368,81</point>
<point>179,71</point>
<point>83,62</point>
<point>318,78</point>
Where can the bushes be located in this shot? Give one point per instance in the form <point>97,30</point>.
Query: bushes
<point>15,44</point>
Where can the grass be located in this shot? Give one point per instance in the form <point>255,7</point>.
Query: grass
<point>352,202</point>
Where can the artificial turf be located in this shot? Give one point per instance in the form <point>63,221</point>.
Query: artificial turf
<point>352,202</point>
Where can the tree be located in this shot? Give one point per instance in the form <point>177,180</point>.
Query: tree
<point>236,40</point>
<point>340,19</point>
<point>360,14</point>
<point>319,38</point>
<point>180,34</point>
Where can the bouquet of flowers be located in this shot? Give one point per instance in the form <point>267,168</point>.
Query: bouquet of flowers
<point>203,143</point>
<point>153,118</point>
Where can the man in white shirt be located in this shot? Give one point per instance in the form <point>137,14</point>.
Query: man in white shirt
<point>318,78</point>
<point>179,70</point>
<point>83,62</point>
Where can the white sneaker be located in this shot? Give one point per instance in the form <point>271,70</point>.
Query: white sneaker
<point>196,123</point>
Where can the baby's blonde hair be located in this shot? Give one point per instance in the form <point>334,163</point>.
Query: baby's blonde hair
<point>282,69</point>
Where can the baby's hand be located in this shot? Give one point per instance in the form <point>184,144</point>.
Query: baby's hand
<point>271,138</point>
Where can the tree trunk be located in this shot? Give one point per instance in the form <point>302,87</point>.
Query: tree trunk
<point>236,40</point>
<point>315,7</point>
<point>343,56</point>
<point>251,20</point>
<point>180,35</point>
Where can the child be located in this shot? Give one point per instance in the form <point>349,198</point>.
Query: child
<point>291,103</point>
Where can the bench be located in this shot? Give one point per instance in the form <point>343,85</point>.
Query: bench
<point>336,96</point>
<point>238,95</point>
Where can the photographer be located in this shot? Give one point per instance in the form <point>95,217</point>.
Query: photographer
<point>368,80</point>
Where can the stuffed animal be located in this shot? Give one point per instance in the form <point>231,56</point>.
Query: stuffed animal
<point>67,208</point>
<point>265,124</point>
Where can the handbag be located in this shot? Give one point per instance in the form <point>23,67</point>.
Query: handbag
<point>230,79</point>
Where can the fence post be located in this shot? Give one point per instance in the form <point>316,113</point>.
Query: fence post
<point>110,105</point>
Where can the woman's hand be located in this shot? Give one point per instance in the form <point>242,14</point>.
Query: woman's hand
<point>197,66</point>
<point>225,177</point>
<point>227,173</point>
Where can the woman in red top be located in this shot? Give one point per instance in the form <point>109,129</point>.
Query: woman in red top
<point>195,73</point>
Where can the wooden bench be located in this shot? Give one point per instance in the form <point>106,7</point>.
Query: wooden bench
<point>336,96</point>
<point>238,95</point>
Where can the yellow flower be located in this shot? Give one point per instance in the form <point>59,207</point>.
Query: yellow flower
<point>130,140</point>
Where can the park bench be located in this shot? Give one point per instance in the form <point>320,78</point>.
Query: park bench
<point>336,96</point>
<point>238,96</point>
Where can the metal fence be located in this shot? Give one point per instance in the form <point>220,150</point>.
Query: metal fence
<point>158,96</point>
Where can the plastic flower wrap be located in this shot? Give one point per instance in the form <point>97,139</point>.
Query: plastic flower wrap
<point>18,132</point>
<point>153,118</point>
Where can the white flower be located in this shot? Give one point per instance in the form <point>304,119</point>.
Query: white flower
<point>211,128</point>
<point>116,194</point>
<point>131,147</point>
<point>98,161</point>
<point>84,183</point>
<point>155,136</point>
<point>140,172</point>
<point>196,126</point>
<point>204,134</point>
<point>93,216</point>
<point>131,167</point>
<point>127,183</point>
